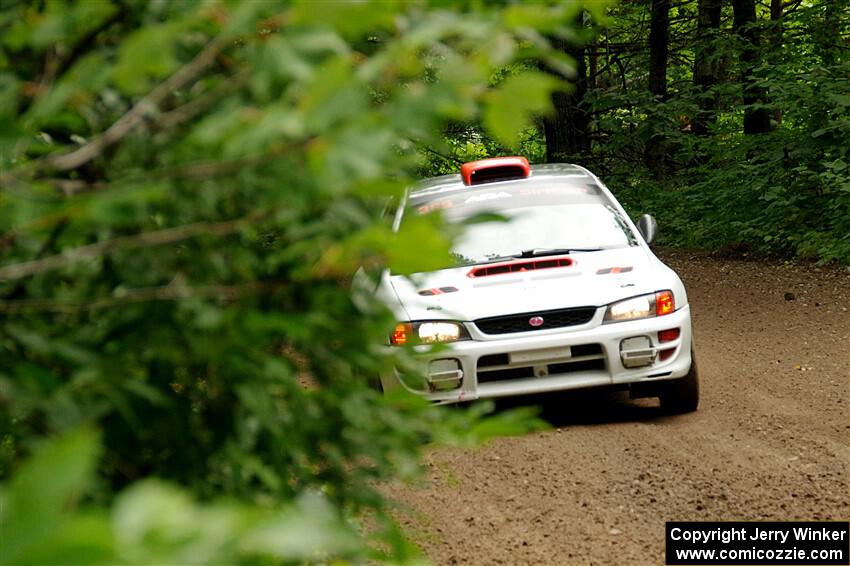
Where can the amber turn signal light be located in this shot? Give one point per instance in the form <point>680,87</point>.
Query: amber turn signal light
<point>664,303</point>
<point>401,334</point>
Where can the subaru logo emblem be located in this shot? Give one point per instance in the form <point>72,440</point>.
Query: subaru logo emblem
<point>536,321</point>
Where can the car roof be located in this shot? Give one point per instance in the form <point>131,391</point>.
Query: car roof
<point>444,184</point>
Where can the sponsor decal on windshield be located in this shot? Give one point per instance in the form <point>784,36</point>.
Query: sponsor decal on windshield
<point>434,205</point>
<point>487,196</point>
<point>535,191</point>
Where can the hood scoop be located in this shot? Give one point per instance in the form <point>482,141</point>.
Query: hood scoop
<point>520,266</point>
<point>608,270</point>
<point>437,291</point>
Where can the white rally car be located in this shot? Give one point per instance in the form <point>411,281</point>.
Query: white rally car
<point>562,293</point>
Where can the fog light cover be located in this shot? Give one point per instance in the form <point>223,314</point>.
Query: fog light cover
<point>444,374</point>
<point>637,352</point>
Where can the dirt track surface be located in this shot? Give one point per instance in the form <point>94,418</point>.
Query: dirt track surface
<point>771,440</point>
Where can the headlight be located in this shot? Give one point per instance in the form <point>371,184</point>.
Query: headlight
<point>644,306</point>
<point>428,332</point>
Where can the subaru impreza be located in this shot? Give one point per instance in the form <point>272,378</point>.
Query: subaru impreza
<point>559,291</point>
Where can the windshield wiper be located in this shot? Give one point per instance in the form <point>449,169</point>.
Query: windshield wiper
<point>483,261</point>
<point>540,252</point>
<point>534,252</point>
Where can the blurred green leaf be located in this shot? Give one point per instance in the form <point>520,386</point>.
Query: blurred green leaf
<point>542,18</point>
<point>42,489</point>
<point>333,94</point>
<point>76,87</point>
<point>146,55</point>
<point>246,17</point>
<point>158,523</point>
<point>311,530</point>
<point>511,107</point>
<point>351,19</point>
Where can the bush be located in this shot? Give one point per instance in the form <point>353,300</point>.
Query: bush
<point>186,188</point>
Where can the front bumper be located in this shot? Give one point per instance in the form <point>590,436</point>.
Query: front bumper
<point>559,359</point>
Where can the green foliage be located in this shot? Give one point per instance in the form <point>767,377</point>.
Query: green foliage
<point>782,193</point>
<point>173,265</point>
<point>44,521</point>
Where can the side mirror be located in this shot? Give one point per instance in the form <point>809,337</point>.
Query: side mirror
<point>648,227</point>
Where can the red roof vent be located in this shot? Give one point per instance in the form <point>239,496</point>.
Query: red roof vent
<point>495,169</point>
<point>515,267</point>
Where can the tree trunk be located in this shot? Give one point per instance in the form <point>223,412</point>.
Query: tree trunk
<point>566,130</point>
<point>775,9</point>
<point>776,39</point>
<point>659,36</point>
<point>827,31</point>
<point>706,66</point>
<point>593,70</point>
<point>756,120</point>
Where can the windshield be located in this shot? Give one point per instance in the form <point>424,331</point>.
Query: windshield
<point>540,221</point>
<point>568,226</point>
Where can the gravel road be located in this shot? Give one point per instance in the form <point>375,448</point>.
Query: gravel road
<point>771,440</point>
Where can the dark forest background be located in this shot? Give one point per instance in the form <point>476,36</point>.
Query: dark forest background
<point>727,120</point>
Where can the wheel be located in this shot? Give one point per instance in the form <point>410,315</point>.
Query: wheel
<point>681,395</point>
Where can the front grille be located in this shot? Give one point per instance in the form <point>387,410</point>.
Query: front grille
<point>586,350</point>
<point>520,322</point>
<point>498,367</point>
<point>503,374</point>
<point>493,360</point>
<point>584,365</point>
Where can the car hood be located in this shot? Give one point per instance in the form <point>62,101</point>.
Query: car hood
<point>594,279</point>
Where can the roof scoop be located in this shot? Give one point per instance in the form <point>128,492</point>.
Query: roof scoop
<point>494,169</point>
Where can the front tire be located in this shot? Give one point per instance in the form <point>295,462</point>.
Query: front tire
<point>681,396</point>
